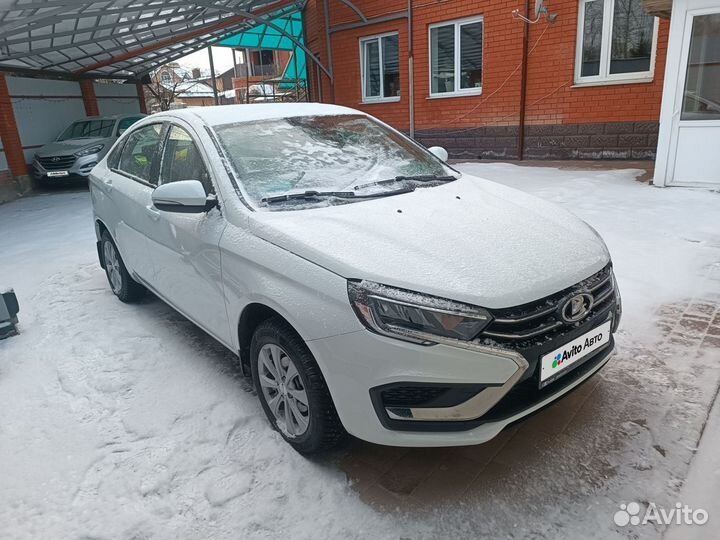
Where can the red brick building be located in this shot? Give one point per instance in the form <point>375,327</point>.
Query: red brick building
<point>590,87</point>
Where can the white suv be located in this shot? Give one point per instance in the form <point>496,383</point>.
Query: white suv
<point>366,285</point>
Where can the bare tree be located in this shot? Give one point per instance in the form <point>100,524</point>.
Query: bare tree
<point>164,93</point>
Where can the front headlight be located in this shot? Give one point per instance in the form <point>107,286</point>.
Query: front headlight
<point>90,150</point>
<point>413,316</point>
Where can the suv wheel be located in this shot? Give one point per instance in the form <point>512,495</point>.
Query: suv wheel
<point>124,287</point>
<point>292,390</point>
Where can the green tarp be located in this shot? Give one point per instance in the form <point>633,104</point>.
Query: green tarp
<point>265,37</point>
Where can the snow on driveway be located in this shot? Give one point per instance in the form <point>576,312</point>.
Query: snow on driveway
<point>125,422</point>
<point>122,421</point>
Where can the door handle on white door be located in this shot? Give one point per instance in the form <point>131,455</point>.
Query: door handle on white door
<point>153,213</point>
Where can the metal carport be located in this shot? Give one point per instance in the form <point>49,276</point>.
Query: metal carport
<point>82,40</point>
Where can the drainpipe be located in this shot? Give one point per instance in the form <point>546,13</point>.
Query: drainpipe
<point>328,43</point>
<point>523,84</point>
<point>411,70</point>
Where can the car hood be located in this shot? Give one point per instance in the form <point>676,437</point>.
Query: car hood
<point>470,240</point>
<point>69,146</point>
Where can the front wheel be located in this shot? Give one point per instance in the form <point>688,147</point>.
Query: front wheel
<point>292,390</point>
<point>124,287</point>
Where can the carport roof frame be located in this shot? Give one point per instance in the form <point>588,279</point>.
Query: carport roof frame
<point>118,39</point>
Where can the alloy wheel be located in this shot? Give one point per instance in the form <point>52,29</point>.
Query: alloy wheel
<point>112,266</point>
<point>283,390</point>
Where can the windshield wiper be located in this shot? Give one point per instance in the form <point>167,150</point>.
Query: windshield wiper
<point>402,178</point>
<point>306,195</point>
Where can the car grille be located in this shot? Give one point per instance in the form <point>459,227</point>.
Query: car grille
<point>57,163</point>
<point>534,323</point>
<point>411,395</point>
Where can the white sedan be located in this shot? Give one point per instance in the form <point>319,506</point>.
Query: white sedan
<point>366,285</point>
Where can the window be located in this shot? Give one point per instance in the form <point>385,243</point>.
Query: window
<point>616,41</point>
<point>263,62</point>
<point>88,128</point>
<point>347,150</point>
<point>701,99</point>
<point>125,123</point>
<point>140,151</point>
<point>380,68</point>
<point>183,161</point>
<point>456,57</point>
<point>114,156</point>
<point>263,57</point>
<point>165,77</point>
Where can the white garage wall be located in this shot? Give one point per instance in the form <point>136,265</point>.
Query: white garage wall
<point>117,98</point>
<point>43,108</point>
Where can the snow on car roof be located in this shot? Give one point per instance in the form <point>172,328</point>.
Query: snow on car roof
<point>225,114</point>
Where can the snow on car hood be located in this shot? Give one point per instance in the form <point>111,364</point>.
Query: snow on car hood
<point>68,146</point>
<point>470,240</point>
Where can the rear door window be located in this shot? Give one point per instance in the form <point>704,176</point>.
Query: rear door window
<point>140,153</point>
<point>125,123</point>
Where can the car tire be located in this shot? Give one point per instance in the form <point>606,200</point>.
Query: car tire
<point>122,285</point>
<point>311,427</point>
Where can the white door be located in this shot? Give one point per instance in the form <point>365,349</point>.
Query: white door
<point>129,185</point>
<point>185,247</point>
<point>695,139</point>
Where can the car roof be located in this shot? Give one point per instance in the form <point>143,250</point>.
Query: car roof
<point>227,114</point>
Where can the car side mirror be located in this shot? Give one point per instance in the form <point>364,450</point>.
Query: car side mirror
<point>439,152</point>
<point>187,196</point>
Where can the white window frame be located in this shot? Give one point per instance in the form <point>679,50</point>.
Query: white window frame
<point>604,76</point>
<point>381,98</point>
<point>475,91</point>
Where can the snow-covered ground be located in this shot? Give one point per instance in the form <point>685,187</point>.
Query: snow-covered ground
<point>122,421</point>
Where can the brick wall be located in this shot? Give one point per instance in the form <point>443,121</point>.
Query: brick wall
<point>562,120</point>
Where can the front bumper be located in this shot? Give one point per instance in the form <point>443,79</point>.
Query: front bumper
<point>78,167</point>
<point>492,388</point>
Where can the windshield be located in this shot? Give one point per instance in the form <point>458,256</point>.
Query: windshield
<point>85,129</point>
<point>322,153</point>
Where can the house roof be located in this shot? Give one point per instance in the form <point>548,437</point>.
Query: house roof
<point>192,89</point>
<point>117,38</point>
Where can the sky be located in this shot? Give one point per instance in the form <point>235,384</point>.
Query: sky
<point>222,57</point>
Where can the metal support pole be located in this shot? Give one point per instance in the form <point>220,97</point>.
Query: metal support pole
<point>212,76</point>
<point>411,71</point>
<point>235,74</point>
<point>523,85</point>
<point>297,75</point>
<point>326,11</point>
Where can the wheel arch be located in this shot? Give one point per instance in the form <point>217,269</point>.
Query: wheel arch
<point>251,317</point>
<point>100,228</point>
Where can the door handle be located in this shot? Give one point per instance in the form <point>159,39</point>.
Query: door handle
<point>154,214</point>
